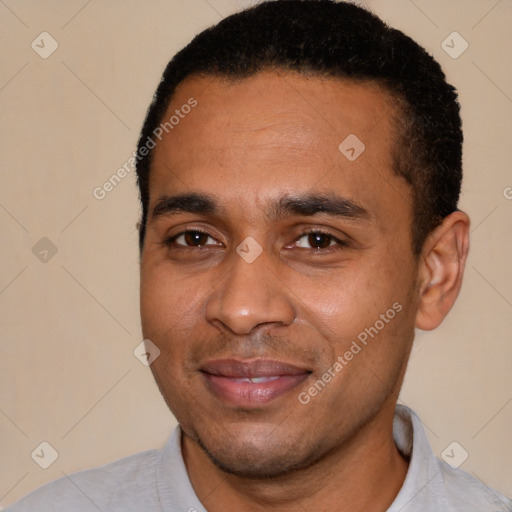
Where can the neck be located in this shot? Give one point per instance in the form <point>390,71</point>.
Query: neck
<point>365,474</point>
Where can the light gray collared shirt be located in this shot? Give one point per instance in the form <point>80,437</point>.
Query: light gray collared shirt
<point>157,481</point>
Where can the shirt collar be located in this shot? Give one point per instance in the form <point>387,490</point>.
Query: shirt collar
<point>423,474</point>
<point>175,490</point>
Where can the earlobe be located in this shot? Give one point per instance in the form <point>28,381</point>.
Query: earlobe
<point>441,270</point>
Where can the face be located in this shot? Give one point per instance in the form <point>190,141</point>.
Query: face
<point>277,276</point>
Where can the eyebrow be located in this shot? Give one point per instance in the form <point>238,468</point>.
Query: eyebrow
<point>313,204</point>
<point>306,205</point>
<point>188,203</point>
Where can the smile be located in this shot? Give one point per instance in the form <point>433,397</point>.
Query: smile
<point>251,384</point>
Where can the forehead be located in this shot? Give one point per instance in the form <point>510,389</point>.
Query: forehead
<point>300,109</point>
<point>277,133</point>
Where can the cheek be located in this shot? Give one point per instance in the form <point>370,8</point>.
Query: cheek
<point>342,298</point>
<point>167,304</point>
<point>170,312</point>
<point>343,303</point>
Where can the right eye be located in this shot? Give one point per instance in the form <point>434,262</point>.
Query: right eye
<point>190,239</point>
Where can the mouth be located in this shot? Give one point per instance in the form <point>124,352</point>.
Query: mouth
<point>252,383</point>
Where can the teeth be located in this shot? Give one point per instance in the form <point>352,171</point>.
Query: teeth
<point>257,380</point>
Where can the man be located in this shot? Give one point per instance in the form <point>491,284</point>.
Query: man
<point>299,172</point>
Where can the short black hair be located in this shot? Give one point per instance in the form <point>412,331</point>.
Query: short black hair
<point>345,41</point>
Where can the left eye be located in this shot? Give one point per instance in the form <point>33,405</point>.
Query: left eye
<point>317,240</point>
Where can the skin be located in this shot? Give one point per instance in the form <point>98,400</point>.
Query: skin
<point>247,144</point>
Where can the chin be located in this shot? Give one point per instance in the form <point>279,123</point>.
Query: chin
<point>264,460</point>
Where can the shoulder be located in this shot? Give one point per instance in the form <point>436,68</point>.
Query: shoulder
<point>431,484</point>
<point>120,485</point>
<point>465,492</point>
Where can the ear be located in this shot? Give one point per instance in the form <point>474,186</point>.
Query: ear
<point>441,268</point>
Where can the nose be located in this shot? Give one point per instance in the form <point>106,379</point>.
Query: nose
<point>250,295</point>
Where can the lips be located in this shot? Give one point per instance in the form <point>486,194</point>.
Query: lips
<point>250,384</point>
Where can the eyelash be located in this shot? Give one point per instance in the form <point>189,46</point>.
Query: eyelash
<point>340,243</point>
<point>168,242</point>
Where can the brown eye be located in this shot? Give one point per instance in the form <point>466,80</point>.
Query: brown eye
<point>192,239</point>
<point>195,238</point>
<point>317,240</point>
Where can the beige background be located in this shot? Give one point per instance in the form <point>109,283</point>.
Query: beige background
<point>70,325</point>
